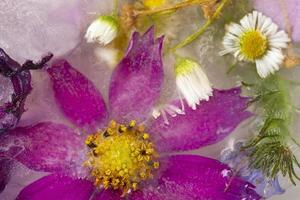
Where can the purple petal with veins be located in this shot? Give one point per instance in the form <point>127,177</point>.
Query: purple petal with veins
<point>77,96</point>
<point>46,147</point>
<point>189,177</point>
<point>136,82</point>
<point>56,187</point>
<point>108,195</point>
<point>211,122</point>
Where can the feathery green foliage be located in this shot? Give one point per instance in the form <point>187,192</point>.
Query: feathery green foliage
<point>272,146</point>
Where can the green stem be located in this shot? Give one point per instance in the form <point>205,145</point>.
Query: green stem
<point>297,110</point>
<point>231,68</point>
<point>202,29</point>
<point>116,8</point>
<point>295,141</point>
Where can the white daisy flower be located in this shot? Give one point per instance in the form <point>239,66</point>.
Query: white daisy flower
<point>192,81</point>
<point>256,39</point>
<point>103,30</point>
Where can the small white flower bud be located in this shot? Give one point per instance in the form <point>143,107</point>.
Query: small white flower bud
<point>192,81</point>
<point>103,30</point>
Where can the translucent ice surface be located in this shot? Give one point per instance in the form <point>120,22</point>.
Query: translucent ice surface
<point>30,28</point>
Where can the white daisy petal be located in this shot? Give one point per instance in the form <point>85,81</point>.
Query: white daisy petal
<point>261,69</point>
<point>231,36</point>
<point>270,60</point>
<point>235,29</point>
<point>278,44</point>
<point>266,24</point>
<point>186,92</point>
<point>277,55</point>
<point>270,63</point>
<point>253,21</point>
<point>238,55</point>
<point>245,23</point>
<point>232,50</point>
<point>225,51</point>
<point>279,40</point>
<point>260,21</point>
<point>271,30</point>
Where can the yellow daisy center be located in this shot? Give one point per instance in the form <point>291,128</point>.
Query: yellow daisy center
<point>253,45</point>
<point>121,157</point>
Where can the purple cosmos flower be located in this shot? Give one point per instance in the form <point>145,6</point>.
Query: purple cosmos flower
<point>133,156</point>
<point>240,162</point>
<point>15,86</point>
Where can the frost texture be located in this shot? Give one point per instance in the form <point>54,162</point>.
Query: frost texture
<point>29,28</point>
<point>6,90</point>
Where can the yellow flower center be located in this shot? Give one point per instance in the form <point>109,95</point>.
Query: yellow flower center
<point>253,45</point>
<point>153,3</point>
<point>121,157</point>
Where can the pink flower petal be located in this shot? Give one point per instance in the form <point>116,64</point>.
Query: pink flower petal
<point>189,177</point>
<point>108,195</point>
<point>77,97</point>
<point>210,123</point>
<point>56,187</point>
<point>46,147</point>
<point>136,82</point>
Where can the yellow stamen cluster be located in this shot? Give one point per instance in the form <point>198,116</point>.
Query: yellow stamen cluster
<point>121,156</point>
<point>153,3</point>
<point>253,45</point>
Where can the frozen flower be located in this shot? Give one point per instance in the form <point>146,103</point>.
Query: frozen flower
<point>239,161</point>
<point>127,156</point>
<point>103,30</point>
<point>15,86</point>
<point>192,81</point>
<point>256,39</point>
